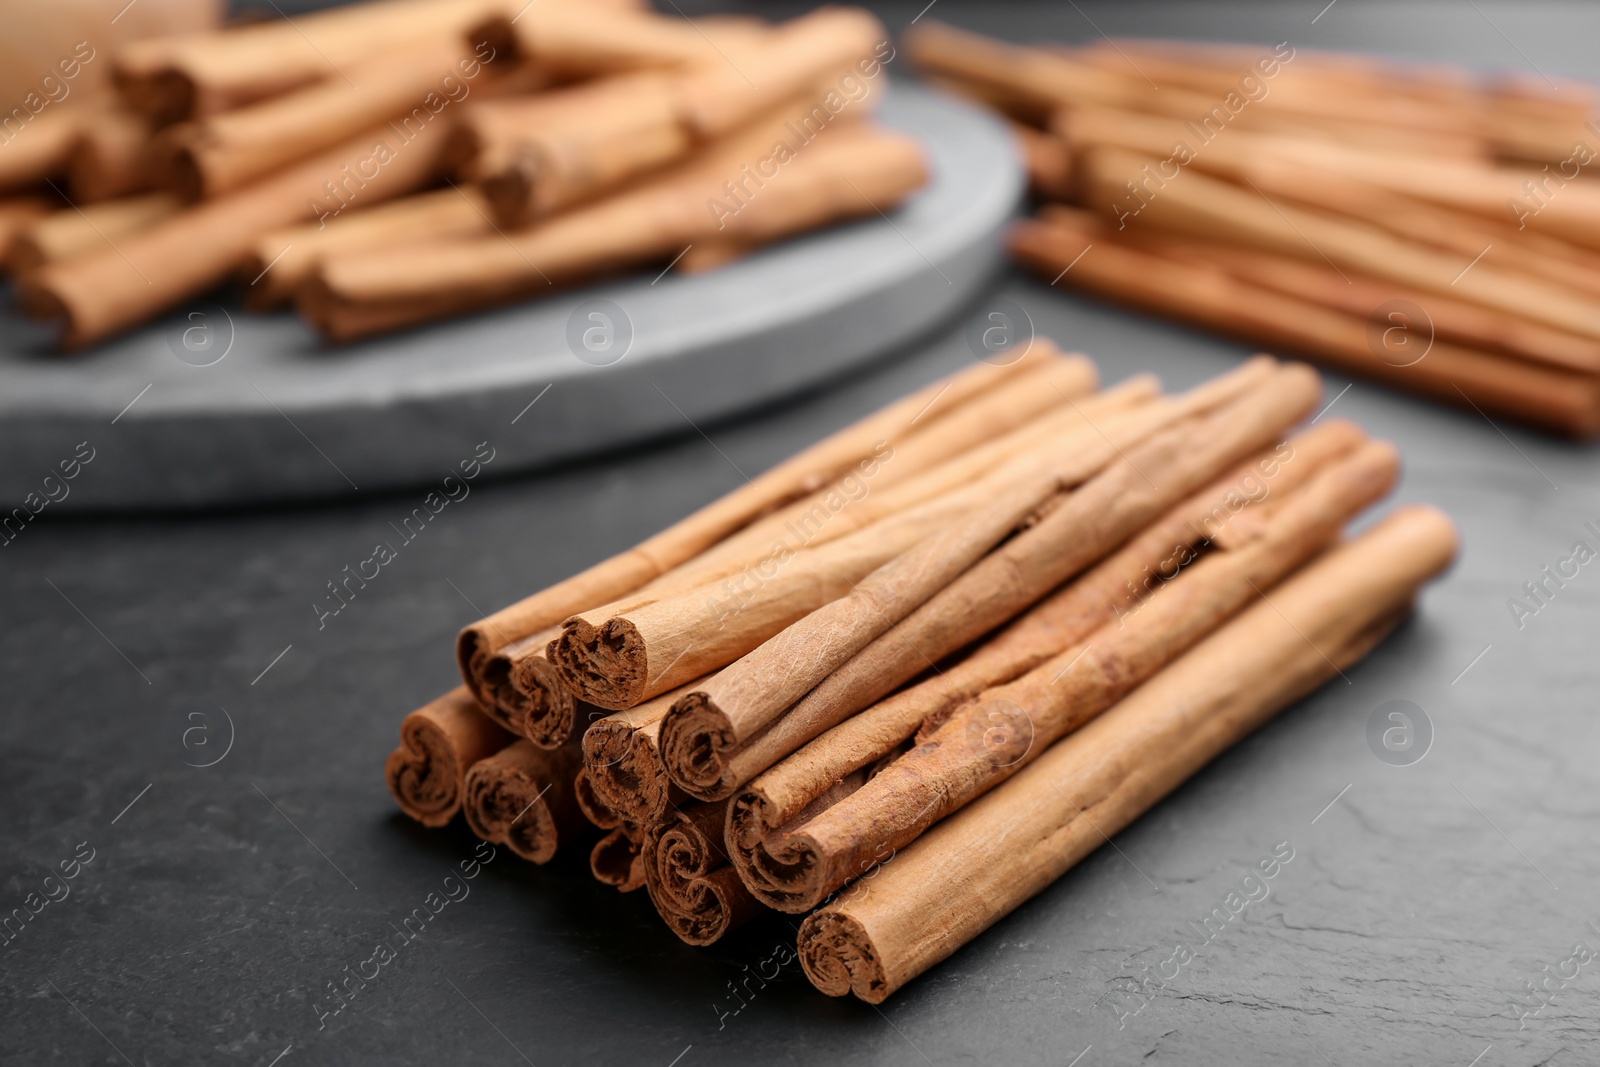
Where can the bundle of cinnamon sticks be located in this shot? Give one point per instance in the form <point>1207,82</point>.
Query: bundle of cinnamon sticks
<point>390,162</point>
<point>890,683</point>
<point>1426,227</point>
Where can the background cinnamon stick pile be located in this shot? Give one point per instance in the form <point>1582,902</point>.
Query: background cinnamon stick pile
<point>1430,228</point>
<point>836,691</point>
<point>386,163</point>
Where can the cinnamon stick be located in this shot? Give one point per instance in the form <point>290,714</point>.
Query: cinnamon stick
<point>407,87</point>
<point>1107,510</point>
<point>718,98</point>
<point>581,42</point>
<point>926,461</point>
<point>439,742</point>
<point>620,654</point>
<point>17,213</point>
<point>102,294</point>
<point>618,860</point>
<point>281,260</point>
<point>568,146</point>
<point>763,814</point>
<point>477,648</point>
<point>749,695</point>
<point>696,892</point>
<point>979,865</point>
<point>201,74</point>
<point>523,797</point>
<point>1199,205</point>
<point>109,157</point>
<point>622,762</point>
<point>76,232</point>
<point>988,740</point>
<point>591,806</point>
<point>39,150</point>
<point>1557,401</point>
<point>847,174</point>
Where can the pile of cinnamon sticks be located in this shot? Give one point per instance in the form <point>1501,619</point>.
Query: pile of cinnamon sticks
<point>905,679</point>
<point>386,163</point>
<point>1423,226</point>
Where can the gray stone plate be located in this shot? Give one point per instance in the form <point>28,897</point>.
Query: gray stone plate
<point>279,416</point>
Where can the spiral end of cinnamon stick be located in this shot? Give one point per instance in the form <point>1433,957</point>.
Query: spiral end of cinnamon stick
<point>781,871</point>
<point>505,802</point>
<point>438,742</point>
<point>839,957</point>
<point>626,775</point>
<point>606,665</point>
<point>512,188</point>
<point>544,710</point>
<point>697,743</point>
<point>618,860</point>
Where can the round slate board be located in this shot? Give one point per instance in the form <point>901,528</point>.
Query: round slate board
<point>279,416</point>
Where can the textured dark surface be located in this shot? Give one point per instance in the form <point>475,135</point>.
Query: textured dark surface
<point>1415,907</point>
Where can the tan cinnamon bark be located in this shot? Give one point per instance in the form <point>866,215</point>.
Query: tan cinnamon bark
<point>1271,163</point>
<point>72,233</point>
<point>280,261</point>
<point>438,743</point>
<point>17,213</point>
<point>523,797</point>
<point>618,860</point>
<point>584,43</point>
<point>976,867</point>
<point>622,762</point>
<point>543,153</point>
<point>620,654</point>
<point>408,87</point>
<point>108,158</point>
<point>719,98</point>
<point>687,875</point>
<point>1198,205</point>
<point>991,738</point>
<point>1555,400</point>
<point>109,291</point>
<point>1456,320</point>
<point>591,806</point>
<point>1105,512</point>
<point>200,74</point>
<point>931,457</point>
<point>746,697</point>
<point>1227,513</point>
<point>478,647</point>
<point>40,149</point>
<point>852,172</point>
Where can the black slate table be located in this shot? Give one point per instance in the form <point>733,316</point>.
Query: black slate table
<point>1427,911</point>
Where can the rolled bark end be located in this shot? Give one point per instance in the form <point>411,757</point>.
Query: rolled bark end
<point>605,665</point>
<point>503,702</point>
<point>511,189</point>
<point>593,807</point>
<point>839,957</point>
<point>697,894</point>
<point>545,711</point>
<point>786,872</point>
<point>623,774</point>
<point>182,174</point>
<point>505,802</point>
<point>618,861</point>
<point>438,742</point>
<point>697,742</point>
